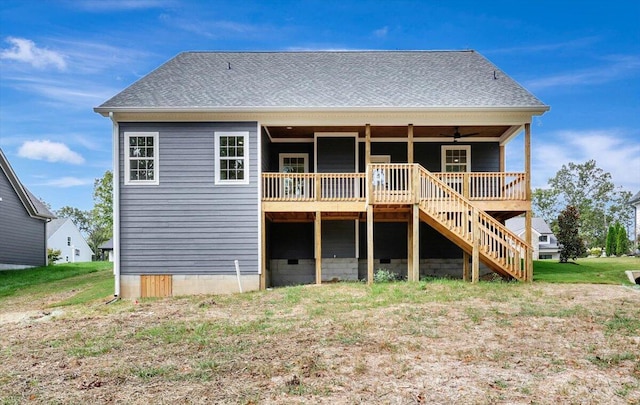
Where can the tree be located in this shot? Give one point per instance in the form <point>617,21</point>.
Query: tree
<point>103,203</point>
<point>621,242</point>
<point>568,236</point>
<point>82,219</point>
<point>53,255</point>
<point>589,189</point>
<point>610,247</point>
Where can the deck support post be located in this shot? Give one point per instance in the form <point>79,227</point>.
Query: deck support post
<point>263,248</point>
<point>502,158</point>
<point>369,244</point>
<point>475,255</point>
<point>367,145</point>
<point>466,276</point>
<point>414,252</point>
<point>528,261</point>
<point>318,250</point>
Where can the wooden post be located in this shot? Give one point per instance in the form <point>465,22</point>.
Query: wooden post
<point>465,185</point>
<point>367,145</point>
<point>369,244</point>
<point>410,144</point>
<point>318,187</point>
<point>502,158</point>
<point>263,247</point>
<point>465,267</point>
<point>318,252</point>
<point>527,175</point>
<point>409,248</point>
<point>475,255</point>
<point>415,247</point>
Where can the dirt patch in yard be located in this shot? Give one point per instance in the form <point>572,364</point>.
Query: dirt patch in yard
<point>340,343</point>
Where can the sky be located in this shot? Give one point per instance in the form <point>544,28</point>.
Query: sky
<point>60,59</point>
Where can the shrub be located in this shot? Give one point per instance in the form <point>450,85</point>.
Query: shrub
<point>53,255</point>
<point>385,276</point>
<point>596,251</point>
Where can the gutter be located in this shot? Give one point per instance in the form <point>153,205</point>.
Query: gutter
<point>116,204</point>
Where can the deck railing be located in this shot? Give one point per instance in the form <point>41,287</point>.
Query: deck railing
<point>313,187</point>
<point>497,186</point>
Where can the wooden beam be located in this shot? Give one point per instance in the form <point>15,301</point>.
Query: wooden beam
<point>527,159</point>
<point>367,145</point>
<point>475,255</point>
<point>528,260</point>
<point>318,250</point>
<point>263,247</point>
<point>415,248</point>
<point>369,244</point>
<point>465,266</point>
<point>410,144</point>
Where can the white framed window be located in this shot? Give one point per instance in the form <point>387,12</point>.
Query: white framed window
<point>543,239</point>
<point>456,158</point>
<point>294,163</point>
<point>141,158</point>
<point>232,163</point>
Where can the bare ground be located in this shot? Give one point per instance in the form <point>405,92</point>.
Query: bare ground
<point>336,344</point>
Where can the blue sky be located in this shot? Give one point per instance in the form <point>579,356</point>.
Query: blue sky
<point>59,59</point>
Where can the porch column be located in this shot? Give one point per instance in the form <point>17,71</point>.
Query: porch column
<point>367,145</point>
<point>502,158</point>
<point>263,252</point>
<point>318,252</point>
<point>528,262</point>
<point>465,267</point>
<point>475,255</point>
<point>410,144</point>
<point>414,248</point>
<point>369,244</point>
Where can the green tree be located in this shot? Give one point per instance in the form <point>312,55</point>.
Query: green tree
<point>103,203</point>
<point>82,219</point>
<point>568,235</point>
<point>53,255</point>
<point>621,241</point>
<point>589,189</point>
<point>611,241</point>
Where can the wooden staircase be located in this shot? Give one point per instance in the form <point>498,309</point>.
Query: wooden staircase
<point>472,229</point>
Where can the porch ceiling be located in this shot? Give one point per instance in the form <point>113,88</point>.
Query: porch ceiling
<point>425,132</point>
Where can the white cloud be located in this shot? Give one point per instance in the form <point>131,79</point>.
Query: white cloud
<point>25,50</point>
<point>382,32</point>
<point>66,182</point>
<point>117,5</point>
<point>49,151</point>
<point>615,151</point>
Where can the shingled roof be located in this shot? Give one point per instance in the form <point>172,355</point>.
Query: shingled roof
<point>310,80</point>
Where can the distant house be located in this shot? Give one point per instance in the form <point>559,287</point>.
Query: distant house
<point>23,219</point>
<point>307,167</point>
<point>635,202</point>
<point>545,244</point>
<point>63,234</point>
<point>107,247</point>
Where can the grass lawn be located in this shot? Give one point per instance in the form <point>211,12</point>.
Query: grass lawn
<point>596,270</point>
<point>87,281</point>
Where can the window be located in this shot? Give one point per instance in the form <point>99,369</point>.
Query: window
<point>543,239</point>
<point>545,257</point>
<point>294,163</point>
<point>232,165</point>
<point>141,158</point>
<point>456,158</point>
<point>68,240</point>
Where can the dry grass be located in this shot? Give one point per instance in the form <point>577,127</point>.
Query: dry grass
<point>436,342</point>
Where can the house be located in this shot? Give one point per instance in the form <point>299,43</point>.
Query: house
<point>308,167</point>
<point>544,242</point>
<point>635,202</point>
<point>23,219</point>
<point>63,235</point>
<point>107,247</point>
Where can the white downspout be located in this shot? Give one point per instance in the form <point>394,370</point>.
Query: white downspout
<point>116,203</point>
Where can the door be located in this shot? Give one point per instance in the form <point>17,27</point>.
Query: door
<point>295,186</point>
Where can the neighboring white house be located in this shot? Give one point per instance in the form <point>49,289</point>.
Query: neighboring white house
<point>107,247</point>
<point>62,234</point>
<point>545,244</point>
<point>635,203</point>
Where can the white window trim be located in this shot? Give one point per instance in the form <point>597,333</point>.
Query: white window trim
<point>156,160</point>
<point>217,135</point>
<point>545,240</point>
<point>283,156</point>
<point>443,157</point>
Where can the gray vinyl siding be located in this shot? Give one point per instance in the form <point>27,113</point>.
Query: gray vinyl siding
<point>336,155</point>
<point>485,157</point>
<point>397,151</point>
<point>22,238</point>
<point>187,224</point>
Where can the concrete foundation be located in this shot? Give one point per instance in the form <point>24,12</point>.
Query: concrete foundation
<point>192,284</point>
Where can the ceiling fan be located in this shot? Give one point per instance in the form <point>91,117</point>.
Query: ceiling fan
<point>457,135</point>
